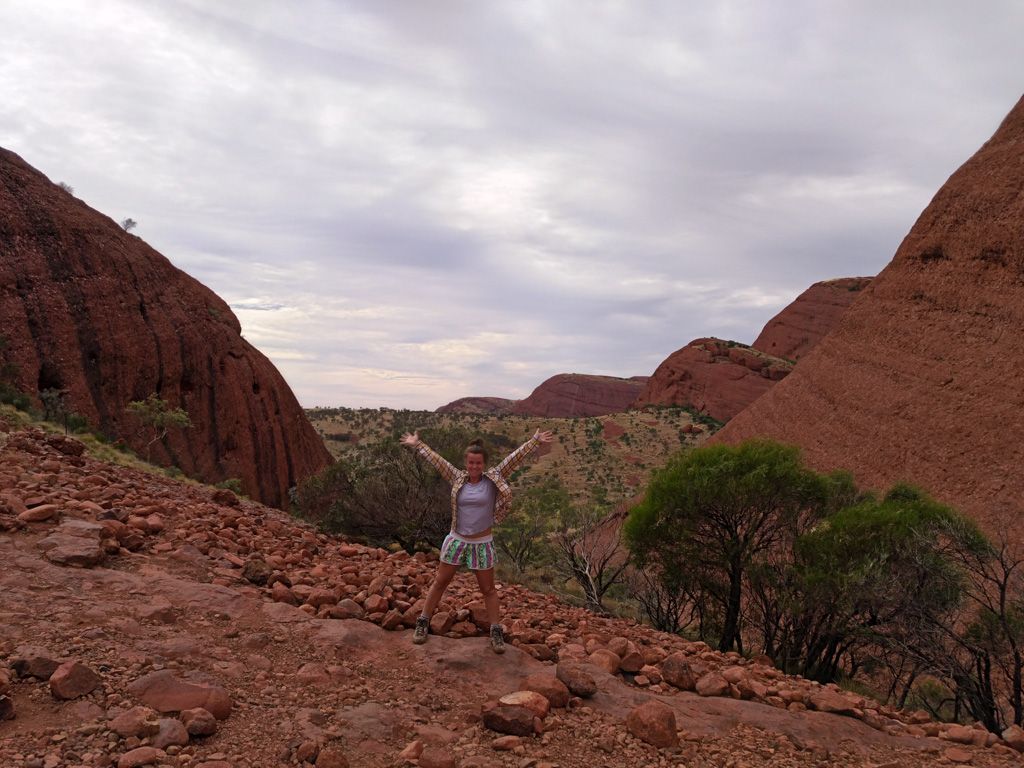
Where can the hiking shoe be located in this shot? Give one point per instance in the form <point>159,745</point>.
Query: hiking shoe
<point>419,636</point>
<point>497,639</point>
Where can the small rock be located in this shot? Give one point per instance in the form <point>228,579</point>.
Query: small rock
<point>307,752</point>
<point>676,670</point>
<point>170,733</point>
<point>35,662</point>
<point>532,700</point>
<point>578,680</point>
<point>257,571</point>
<point>441,623</point>
<point>957,755</point>
<point>604,659</point>
<point>632,662</point>
<point>436,757</point>
<point>6,708</point>
<point>958,734</point>
<point>137,721</point>
<point>347,609</point>
<point>506,743</point>
<point>412,751</point>
<point>712,684</point>
<point>331,757</point>
<point>141,756</point>
<point>225,497</point>
<point>312,674</point>
<point>279,593</point>
<point>654,723</point>
<point>1014,737</point>
<point>198,722</point>
<point>826,700</point>
<point>551,688</point>
<point>515,721</point>
<point>71,680</point>
<point>38,514</point>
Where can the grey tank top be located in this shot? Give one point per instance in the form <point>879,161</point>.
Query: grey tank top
<point>476,507</point>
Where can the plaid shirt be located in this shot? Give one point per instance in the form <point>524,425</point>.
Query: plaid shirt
<point>498,475</point>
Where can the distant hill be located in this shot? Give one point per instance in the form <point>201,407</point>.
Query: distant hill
<point>576,394</point>
<point>478,405</point>
<point>719,378</point>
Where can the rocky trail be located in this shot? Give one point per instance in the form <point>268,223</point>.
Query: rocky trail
<point>146,621</point>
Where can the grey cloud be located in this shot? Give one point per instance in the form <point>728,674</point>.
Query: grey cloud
<point>411,203</point>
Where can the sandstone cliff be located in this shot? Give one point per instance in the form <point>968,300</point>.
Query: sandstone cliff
<point>568,395</point>
<point>92,310</point>
<point>712,377</point>
<point>920,379</point>
<point>798,328</point>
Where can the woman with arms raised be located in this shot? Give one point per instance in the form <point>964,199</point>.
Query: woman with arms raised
<point>480,499</point>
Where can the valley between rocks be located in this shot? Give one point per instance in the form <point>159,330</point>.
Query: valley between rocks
<point>163,593</point>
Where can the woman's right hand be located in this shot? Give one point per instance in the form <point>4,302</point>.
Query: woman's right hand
<point>411,440</point>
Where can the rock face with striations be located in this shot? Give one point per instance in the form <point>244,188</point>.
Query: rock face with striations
<point>568,395</point>
<point>921,377</point>
<point>486,405</point>
<point>712,377</point>
<point>798,328</point>
<point>92,310</point>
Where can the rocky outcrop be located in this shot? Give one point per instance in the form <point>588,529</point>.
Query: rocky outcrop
<point>478,405</point>
<point>91,310</point>
<point>798,328</point>
<point>920,379</point>
<point>569,395</point>
<point>714,377</point>
<point>358,690</point>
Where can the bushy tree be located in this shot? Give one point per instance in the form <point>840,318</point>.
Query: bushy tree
<point>714,513</point>
<point>156,419</point>
<point>872,575</point>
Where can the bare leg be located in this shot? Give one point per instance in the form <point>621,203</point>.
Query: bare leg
<point>445,573</point>
<point>485,580</point>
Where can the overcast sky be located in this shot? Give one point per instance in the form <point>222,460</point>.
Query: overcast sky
<point>410,202</point>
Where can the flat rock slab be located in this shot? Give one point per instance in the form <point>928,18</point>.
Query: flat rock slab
<point>165,693</point>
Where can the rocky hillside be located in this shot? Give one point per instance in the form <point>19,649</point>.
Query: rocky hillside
<point>149,622</point>
<point>798,328</point>
<point>91,310</point>
<point>920,379</point>
<point>569,395</point>
<point>714,377</point>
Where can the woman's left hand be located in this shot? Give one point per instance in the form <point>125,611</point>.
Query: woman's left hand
<point>544,437</point>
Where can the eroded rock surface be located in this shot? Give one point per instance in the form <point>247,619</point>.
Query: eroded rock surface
<point>713,377</point>
<point>920,378</point>
<point>93,310</point>
<point>798,328</point>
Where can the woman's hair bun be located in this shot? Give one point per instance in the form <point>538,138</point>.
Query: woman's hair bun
<point>478,441</point>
